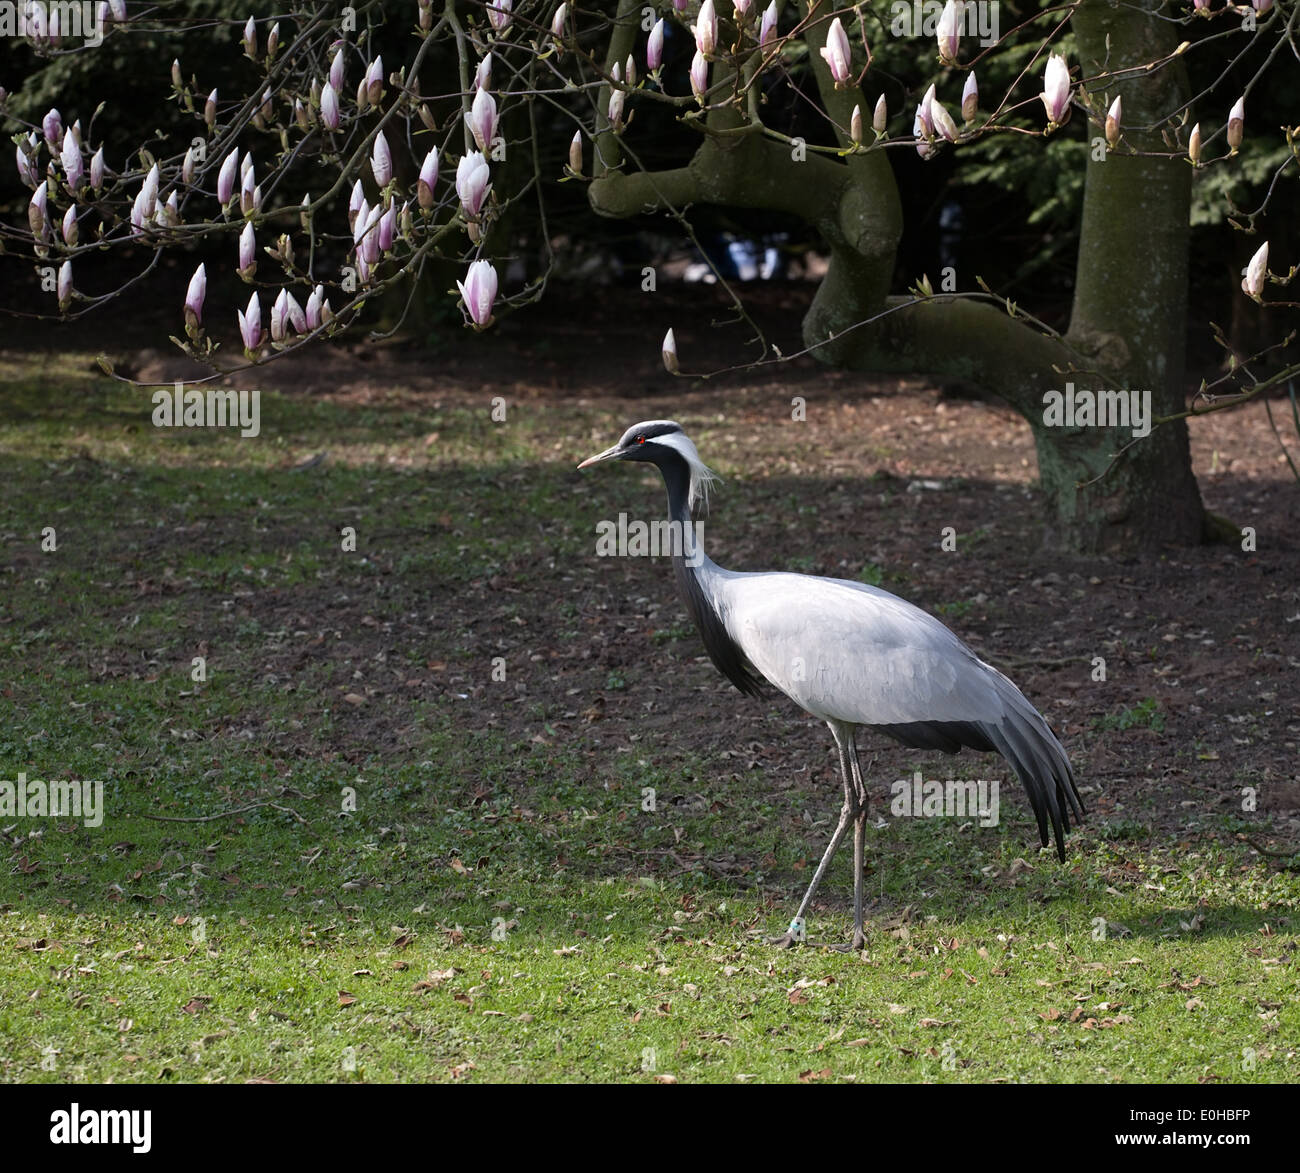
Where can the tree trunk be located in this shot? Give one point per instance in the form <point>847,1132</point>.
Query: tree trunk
<point>1130,303</point>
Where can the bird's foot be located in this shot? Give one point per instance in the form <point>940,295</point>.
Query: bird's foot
<point>796,934</point>
<point>858,943</point>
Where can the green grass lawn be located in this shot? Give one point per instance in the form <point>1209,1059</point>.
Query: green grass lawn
<point>434,895</point>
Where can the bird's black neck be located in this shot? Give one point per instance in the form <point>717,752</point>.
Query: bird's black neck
<point>688,558</point>
<point>677,476</point>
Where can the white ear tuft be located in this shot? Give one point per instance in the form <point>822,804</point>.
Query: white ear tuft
<point>702,477</point>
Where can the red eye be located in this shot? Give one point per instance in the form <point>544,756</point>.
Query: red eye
<point>640,439</point>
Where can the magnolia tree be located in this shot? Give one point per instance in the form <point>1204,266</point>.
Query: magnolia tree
<point>333,172</point>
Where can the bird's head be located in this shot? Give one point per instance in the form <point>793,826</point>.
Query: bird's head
<point>662,442</point>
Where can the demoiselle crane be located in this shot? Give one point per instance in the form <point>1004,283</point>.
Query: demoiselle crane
<point>852,655</point>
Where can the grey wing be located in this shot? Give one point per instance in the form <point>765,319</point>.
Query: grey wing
<point>849,652</point>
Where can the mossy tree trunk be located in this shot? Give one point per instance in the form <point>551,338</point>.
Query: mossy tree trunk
<point>1127,330</point>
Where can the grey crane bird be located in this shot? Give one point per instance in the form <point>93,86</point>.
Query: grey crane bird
<point>852,655</point>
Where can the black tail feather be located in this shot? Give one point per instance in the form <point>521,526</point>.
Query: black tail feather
<point>1024,739</point>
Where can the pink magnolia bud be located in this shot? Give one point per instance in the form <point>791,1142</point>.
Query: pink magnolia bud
<point>278,314</point>
<point>680,5</point>
<point>837,54</point>
<point>742,10</point>
<point>149,191</point>
<point>26,172</point>
<point>943,122</point>
<point>923,124</point>
<point>250,38</point>
<point>629,70</point>
<point>699,77</point>
<point>482,119</point>
<point>52,126</point>
<point>247,252</point>
<point>948,31</point>
<point>293,314</point>
<point>472,183</point>
<point>669,352</point>
<point>273,41</point>
<point>300,115</point>
<point>425,19</point>
<point>924,110</point>
<point>616,73</point>
<point>1114,120</point>
<point>706,29</point>
<point>375,81</point>
<point>210,110</point>
<point>70,157</point>
<point>381,161</point>
<point>356,202</point>
<point>226,177</point>
<point>1194,144</point>
<point>1056,90</point>
<point>336,71</point>
<point>557,22</point>
<point>483,74</point>
<point>615,113</point>
<point>250,324</point>
<point>313,307</point>
<point>194,295</point>
<point>654,47</point>
<point>428,178</point>
<point>1261,6</point>
<point>137,214</point>
<point>970,98</point>
<point>1256,272</point>
<point>1237,124</point>
<point>855,124</point>
<point>65,286</point>
<point>767,26</point>
<point>118,9</point>
<point>387,228</point>
<point>248,192</point>
<point>369,245</point>
<point>329,107</point>
<point>880,116</point>
<point>188,165</point>
<point>97,169</point>
<point>178,82</point>
<point>575,153</point>
<point>498,12</point>
<point>70,230</point>
<point>479,291</point>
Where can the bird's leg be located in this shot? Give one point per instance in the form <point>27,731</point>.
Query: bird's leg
<point>859,846</point>
<point>796,934</point>
<point>855,802</point>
